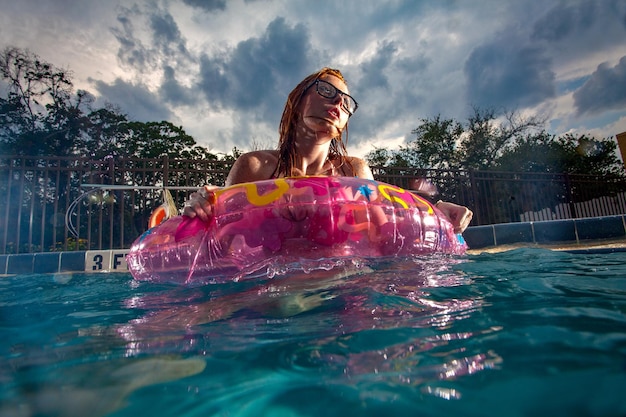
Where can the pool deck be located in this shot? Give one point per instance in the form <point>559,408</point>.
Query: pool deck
<point>588,235</point>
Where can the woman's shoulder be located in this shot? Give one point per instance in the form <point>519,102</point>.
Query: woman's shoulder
<point>263,155</point>
<point>261,160</point>
<point>360,168</point>
<point>356,160</point>
<point>253,166</point>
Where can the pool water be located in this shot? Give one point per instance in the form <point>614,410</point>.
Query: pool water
<point>527,332</point>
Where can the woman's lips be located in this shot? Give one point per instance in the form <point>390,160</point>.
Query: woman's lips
<point>334,113</point>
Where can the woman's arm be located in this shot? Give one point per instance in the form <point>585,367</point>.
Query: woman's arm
<point>459,216</point>
<point>251,166</point>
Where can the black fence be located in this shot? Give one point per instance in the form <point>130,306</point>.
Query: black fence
<point>63,204</point>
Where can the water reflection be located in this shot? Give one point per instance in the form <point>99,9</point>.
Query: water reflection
<point>372,329</point>
<point>391,322</point>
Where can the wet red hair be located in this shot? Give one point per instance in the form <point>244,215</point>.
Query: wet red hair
<point>289,120</point>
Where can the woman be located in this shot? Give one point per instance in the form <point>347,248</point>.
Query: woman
<point>311,143</point>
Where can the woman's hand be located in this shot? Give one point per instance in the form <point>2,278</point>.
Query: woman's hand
<point>200,203</point>
<point>459,216</point>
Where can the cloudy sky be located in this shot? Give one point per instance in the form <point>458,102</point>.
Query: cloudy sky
<point>223,68</point>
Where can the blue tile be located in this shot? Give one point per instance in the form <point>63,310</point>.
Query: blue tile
<point>72,261</point>
<point>594,250</point>
<point>46,262</point>
<point>3,264</point>
<point>555,231</point>
<point>509,233</point>
<point>479,236</point>
<point>600,227</point>
<point>20,264</point>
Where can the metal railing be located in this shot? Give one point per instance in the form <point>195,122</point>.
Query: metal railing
<point>61,204</point>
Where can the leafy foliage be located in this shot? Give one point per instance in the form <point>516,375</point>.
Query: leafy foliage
<point>435,146</point>
<point>507,142</point>
<point>40,115</point>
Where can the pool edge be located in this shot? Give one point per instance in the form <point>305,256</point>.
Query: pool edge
<point>94,261</point>
<point>591,234</point>
<point>606,233</point>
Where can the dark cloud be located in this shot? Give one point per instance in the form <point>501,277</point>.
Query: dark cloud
<point>131,52</point>
<point>373,70</point>
<point>585,20</point>
<point>172,91</point>
<point>501,75</point>
<point>166,34</point>
<point>605,90</point>
<point>373,92</point>
<point>213,81</point>
<point>387,87</point>
<point>428,57</point>
<point>259,71</point>
<point>207,5</point>
<point>348,25</point>
<point>575,28</point>
<point>134,99</point>
<point>164,51</point>
<point>168,44</point>
<point>414,64</point>
<point>257,75</point>
<point>565,19</point>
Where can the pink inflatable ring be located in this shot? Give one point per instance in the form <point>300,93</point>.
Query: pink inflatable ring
<point>304,222</point>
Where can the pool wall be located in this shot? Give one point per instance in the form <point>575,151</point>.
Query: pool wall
<point>575,231</point>
<point>547,232</point>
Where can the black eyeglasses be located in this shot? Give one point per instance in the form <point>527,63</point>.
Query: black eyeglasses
<point>327,90</point>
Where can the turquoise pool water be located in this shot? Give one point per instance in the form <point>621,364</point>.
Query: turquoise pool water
<point>528,332</point>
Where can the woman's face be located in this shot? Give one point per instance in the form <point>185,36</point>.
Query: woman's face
<point>325,115</point>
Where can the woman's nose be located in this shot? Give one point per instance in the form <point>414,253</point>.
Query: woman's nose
<point>338,99</point>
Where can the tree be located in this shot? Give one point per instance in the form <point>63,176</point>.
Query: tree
<point>40,115</point>
<point>488,136</point>
<point>447,144</point>
<point>436,143</point>
<point>567,154</point>
<point>103,134</point>
<point>586,155</point>
<point>155,139</point>
<point>379,157</point>
<point>532,153</point>
<point>445,151</point>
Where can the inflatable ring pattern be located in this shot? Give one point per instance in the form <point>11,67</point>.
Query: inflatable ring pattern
<point>291,221</point>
